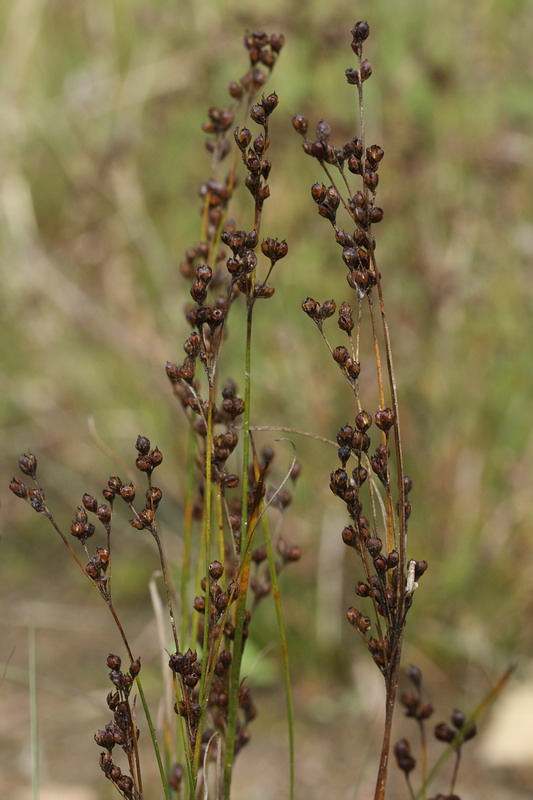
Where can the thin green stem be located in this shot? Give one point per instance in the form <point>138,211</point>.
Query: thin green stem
<point>245,570</point>
<point>284,648</point>
<point>153,737</point>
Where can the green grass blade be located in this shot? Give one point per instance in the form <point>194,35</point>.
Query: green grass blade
<point>284,648</point>
<point>153,737</point>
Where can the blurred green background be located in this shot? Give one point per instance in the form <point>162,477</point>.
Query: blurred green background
<point>101,155</point>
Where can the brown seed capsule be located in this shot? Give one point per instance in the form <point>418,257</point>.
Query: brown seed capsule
<point>311,308</point>
<point>199,605</point>
<point>90,502</point>
<point>235,90</point>
<point>293,553</point>
<point>144,464</point>
<point>415,675</point>
<point>345,321</point>
<point>216,570</point>
<point>28,464</point>
<point>108,495</point>
<point>374,546</point>
<point>104,514</point>
<point>340,354</point>
<point>18,488</point>
<point>153,497</point>
<point>113,661</point>
<point>352,76</point>
<point>425,711</point>
<point>374,154</point>
<point>353,616</point>
<point>363,623</point>
<point>318,192</point>
<point>142,445</point>
<point>300,124</point>
<point>393,559</point>
<point>135,667</point>
<point>258,114</point>
<point>385,419</point>
<point>458,718</point>
<point>127,492</point>
<point>172,372</point>
<point>420,568</point>
<point>444,733</point>
<point>365,70</point>
<point>363,421</point>
<point>156,457</point>
<point>360,31</point>
<point>380,564</point>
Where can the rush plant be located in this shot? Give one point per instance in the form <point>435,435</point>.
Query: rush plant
<point>230,561</point>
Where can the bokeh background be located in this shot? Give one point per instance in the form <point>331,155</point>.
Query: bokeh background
<point>101,154</point>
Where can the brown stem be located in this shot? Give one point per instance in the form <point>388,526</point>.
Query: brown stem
<point>390,703</point>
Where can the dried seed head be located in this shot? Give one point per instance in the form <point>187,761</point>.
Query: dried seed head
<point>327,309</point>
<point>420,568</point>
<point>300,124</point>
<point>425,711</point>
<point>318,192</point>
<point>18,488</point>
<point>374,546</point>
<point>353,615</point>
<point>385,419</point>
<point>340,354</point>
<point>323,131</point>
<point>153,497</point>
<point>345,321</point>
<point>311,308</point>
<point>143,463</point>
<point>415,676</point>
<point>104,514</point>
<point>28,464</point>
<point>142,445</point>
<point>402,752</point>
<point>259,554</point>
<point>216,570</point>
<point>444,733</point>
<point>259,114</point>
<point>352,76</point>
<point>127,492</point>
<point>113,661</point>
<point>90,502</point>
<point>365,70</point>
<point>235,90</point>
<point>360,31</point>
<point>156,457</point>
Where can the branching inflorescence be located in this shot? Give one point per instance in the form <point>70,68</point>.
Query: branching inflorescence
<point>224,504</point>
<point>224,571</point>
<point>370,480</point>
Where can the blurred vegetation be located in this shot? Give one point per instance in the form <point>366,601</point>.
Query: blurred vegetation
<point>100,159</point>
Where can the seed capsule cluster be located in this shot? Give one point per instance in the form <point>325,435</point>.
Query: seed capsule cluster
<point>418,708</point>
<point>229,265</point>
<point>120,730</point>
<point>371,464</point>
